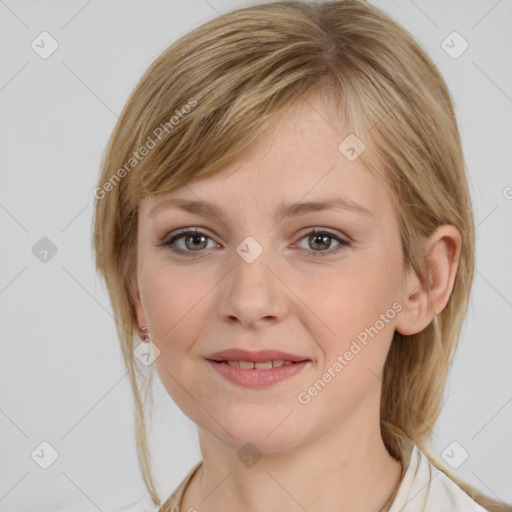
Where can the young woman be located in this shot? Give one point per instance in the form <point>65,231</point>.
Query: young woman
<point>283,216</point>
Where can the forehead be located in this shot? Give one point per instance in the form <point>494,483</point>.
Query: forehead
<point>298,160</point>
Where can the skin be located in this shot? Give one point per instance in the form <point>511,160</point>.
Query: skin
<point>327,454</point>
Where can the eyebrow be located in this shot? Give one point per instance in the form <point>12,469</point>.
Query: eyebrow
<point>283,210</point>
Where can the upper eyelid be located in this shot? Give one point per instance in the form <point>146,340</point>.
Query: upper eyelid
<point>185,231</point>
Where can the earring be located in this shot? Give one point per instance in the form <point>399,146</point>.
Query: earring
<point>144,334</point>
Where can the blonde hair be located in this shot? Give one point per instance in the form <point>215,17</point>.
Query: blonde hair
<point>238,74</point>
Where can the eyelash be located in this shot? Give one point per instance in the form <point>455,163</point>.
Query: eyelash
<point>186,231</point>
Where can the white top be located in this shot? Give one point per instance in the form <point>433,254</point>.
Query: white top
<point>423,485</point>
<point>423,488</point>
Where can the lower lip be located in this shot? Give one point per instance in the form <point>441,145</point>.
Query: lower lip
<point>257,378</point>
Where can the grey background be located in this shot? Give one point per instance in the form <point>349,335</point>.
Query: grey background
<point>61,374</point>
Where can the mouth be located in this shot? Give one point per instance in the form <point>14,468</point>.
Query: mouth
<point>260,365</point>
<point>261,359</point>
<point>257,369</point>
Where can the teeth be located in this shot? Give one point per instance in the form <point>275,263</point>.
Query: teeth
<point>266,365</point>
<point>263,366</point>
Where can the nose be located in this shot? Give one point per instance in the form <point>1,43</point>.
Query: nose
<point>253,292</point>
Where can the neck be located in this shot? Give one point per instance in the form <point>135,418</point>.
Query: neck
<point>343,469</point>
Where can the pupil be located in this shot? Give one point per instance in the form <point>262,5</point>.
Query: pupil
<point>322,239</point>
<point>195,238</point>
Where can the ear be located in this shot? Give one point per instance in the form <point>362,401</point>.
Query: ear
<point>137,304</point>
<point>442,251</point>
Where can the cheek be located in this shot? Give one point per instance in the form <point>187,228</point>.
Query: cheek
<point>172,304</point>
<point>173,308</point>
<point>357,314</point>
<point>178,305</point>
<point>360,318</point>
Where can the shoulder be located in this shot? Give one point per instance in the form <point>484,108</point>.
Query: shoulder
<point>426,488</point>
<point>145,504</point>
<point>172,504</point>
<point>447,495</point>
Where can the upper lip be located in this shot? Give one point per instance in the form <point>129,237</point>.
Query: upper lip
<point>238,354</point>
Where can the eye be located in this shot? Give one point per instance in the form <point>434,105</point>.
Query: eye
<point>193,240</point>
<point>320,241</point>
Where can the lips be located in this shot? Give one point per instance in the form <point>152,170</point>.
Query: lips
<point>237,354</point>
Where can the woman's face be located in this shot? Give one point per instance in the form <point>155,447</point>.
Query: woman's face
<point>254,279</point>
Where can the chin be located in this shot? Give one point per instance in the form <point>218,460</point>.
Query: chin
<point>268,434</point>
